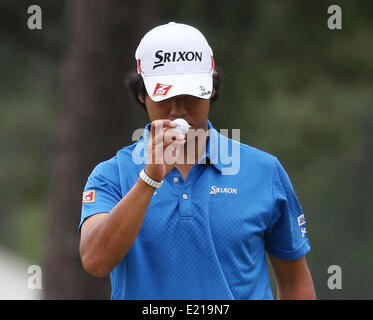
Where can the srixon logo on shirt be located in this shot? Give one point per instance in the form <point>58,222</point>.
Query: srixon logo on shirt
<point>175,56</point>
<point>215,190</point>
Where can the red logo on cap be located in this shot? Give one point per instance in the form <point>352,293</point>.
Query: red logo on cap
<point>161,89</point>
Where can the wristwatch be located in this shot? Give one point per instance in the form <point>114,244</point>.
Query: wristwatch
<point>149,181</point>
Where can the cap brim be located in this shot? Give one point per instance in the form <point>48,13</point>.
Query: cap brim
<point>162,87</point>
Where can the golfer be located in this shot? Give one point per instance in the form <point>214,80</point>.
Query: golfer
<point>169,217</point>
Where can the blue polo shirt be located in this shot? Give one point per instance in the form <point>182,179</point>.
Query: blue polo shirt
<point>204,237</point>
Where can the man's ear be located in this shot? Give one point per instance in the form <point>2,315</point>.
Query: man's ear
<point>213,93</point>
<point>141,98</point>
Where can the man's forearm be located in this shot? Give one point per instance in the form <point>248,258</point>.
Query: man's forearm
<point>299,290</point>
<point>111,238</point>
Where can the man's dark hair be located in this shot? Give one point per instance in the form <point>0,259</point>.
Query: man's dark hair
<point>135,84</point>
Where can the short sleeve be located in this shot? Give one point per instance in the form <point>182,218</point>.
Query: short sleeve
<point>286,235</point>
<point>102,190</point>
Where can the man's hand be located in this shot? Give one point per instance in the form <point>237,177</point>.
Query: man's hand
<point>164,147</point>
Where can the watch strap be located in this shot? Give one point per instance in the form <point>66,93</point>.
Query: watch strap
<point>149,181</point>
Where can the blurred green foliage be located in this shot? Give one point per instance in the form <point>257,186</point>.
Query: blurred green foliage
<point>29,64</point>
<point>295,89</point>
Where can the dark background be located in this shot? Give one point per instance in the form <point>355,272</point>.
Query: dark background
<point>295,88</point>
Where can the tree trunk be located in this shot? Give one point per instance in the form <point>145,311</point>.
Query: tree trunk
<point>97,118</point>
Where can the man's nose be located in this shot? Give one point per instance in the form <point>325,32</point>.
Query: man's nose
<point>177,108</point>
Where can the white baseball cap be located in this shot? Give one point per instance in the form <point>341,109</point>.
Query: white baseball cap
<point>175,59</point>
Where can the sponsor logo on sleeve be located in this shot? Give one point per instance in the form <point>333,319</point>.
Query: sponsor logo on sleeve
<point>301,220</point>
<point>89,196</point>
<point>304,231</point>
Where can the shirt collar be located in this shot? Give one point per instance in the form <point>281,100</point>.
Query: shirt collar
<point>212,148</point>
